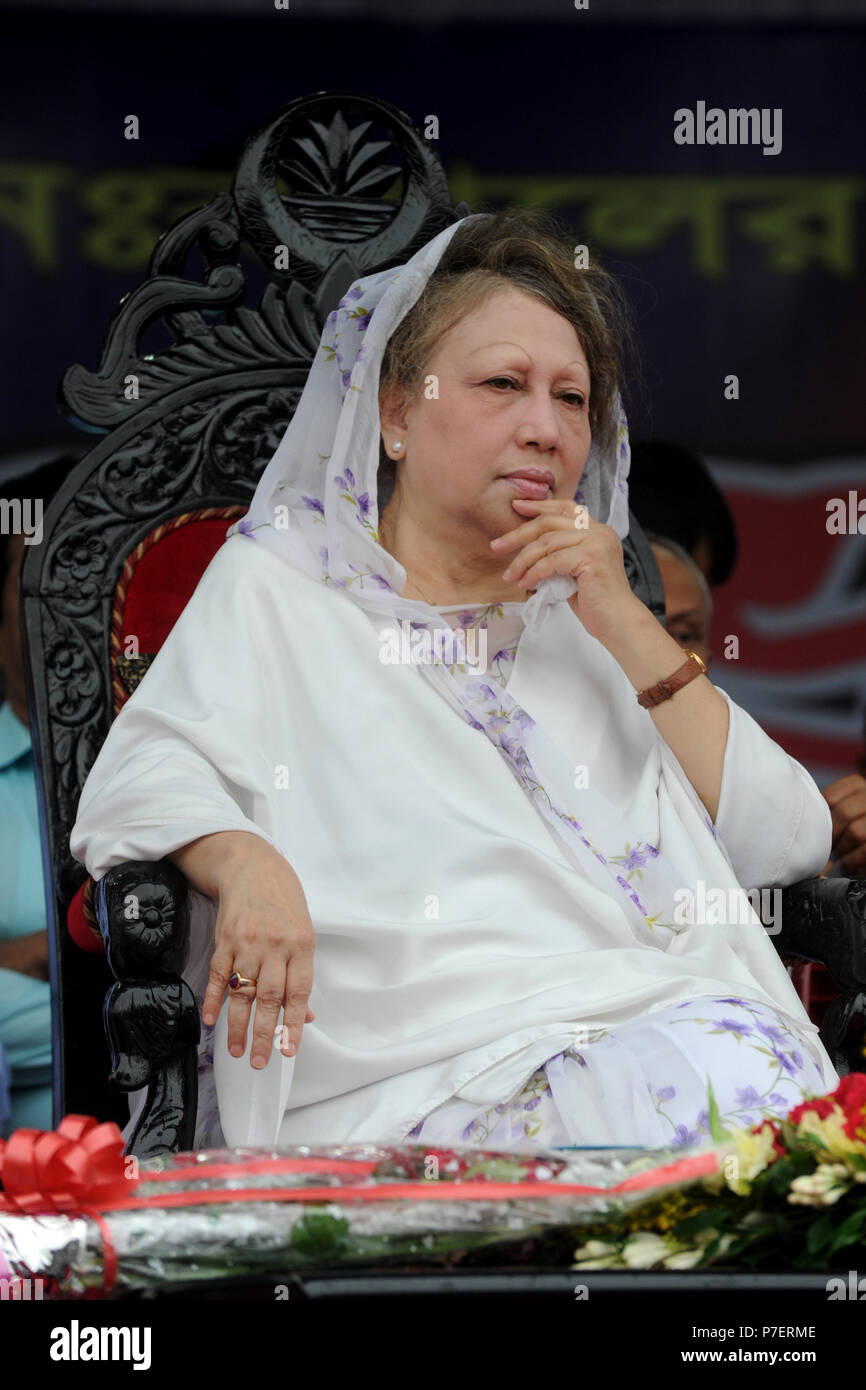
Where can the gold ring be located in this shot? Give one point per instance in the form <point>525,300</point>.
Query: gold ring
<point>237,981</point>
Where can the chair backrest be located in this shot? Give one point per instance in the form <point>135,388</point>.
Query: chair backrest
<point>186,432</point>
<point>336,186</point>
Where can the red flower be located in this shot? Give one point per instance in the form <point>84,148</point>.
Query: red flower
<point>850,1095</point>
<point>778,1147</point>
<point>822,1107</point>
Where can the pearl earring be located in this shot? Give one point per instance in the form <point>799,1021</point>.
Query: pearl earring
<point>397,444</point>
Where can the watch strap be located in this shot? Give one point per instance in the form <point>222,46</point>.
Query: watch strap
<point>663,690</point>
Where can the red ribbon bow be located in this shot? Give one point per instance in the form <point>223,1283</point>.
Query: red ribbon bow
<point>72,1169</point>
<point>80,1162</point>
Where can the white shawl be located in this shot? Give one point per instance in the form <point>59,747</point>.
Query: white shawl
<point>472,906</point>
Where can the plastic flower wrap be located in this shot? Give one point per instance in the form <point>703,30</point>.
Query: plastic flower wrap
<point>88,1221</point>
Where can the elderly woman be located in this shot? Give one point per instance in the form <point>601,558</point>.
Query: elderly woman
<point>408,745</point>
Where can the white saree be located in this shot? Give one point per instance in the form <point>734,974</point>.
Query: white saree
<point>462,938</point>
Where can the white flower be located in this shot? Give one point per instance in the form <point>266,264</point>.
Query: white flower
<point>826,1185</point>
<point>684,1259</point>
<point>645,1249</point>
<point>601,1255</point>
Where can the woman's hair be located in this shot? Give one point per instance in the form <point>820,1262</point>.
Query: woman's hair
<point>522,248</point>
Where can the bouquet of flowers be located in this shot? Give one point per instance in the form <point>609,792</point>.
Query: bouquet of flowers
<point>787,1193</point>
<point>78,1218</point>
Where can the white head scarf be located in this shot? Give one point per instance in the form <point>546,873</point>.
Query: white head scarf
<point>316,507</point>
<point>316,502</point>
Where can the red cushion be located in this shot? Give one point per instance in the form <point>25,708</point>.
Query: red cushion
<point>163,580</point>
<point>84,933</point>
<point>815,986</point>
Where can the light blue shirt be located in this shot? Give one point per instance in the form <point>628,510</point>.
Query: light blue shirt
<point>22,887</point>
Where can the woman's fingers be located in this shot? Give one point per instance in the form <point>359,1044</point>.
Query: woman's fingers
<point>529,564</point>
<point>299,984</point>
<point>555,514</point>
<point>240,1007</point>
<point>221,968</point>
<point>270,993</point>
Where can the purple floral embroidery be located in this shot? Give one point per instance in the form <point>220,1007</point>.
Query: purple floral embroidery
<point>245,529</point>
<point>634,859</point>
<point>632,894</point>
<point>732,1025</point>
<point>784,1061</point>
<point>346,482</point>
<point>770,1031</point>
<point>747,1095</point>
<point>666,1093</point>
<point>313,504</point>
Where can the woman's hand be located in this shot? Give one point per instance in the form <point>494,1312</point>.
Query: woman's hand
<point>263,931</point>
<point>561,537</point>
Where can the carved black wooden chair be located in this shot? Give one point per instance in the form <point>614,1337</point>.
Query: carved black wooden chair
<point>348,186</point>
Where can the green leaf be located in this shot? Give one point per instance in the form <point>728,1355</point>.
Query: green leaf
<point>689,1226</point>
<point>820,1232</point>
<point>320,1233</point>
<point>851,1227</point>
<point>716,1130</point>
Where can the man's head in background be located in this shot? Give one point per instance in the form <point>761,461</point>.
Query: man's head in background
<point>17,496</point>
<point>688,602</point>
<point>672,493</point>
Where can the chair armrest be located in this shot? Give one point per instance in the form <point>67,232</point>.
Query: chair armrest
<point>151,1017</point>
<point>824,920</point>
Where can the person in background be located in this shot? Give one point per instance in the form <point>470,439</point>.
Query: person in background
<point>688,602</point>
<point>846,798</point>
<point>672,493</point>
<point>25,994</point>
<point>688,570</point>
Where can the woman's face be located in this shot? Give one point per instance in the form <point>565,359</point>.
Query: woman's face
<point>513,395</point>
